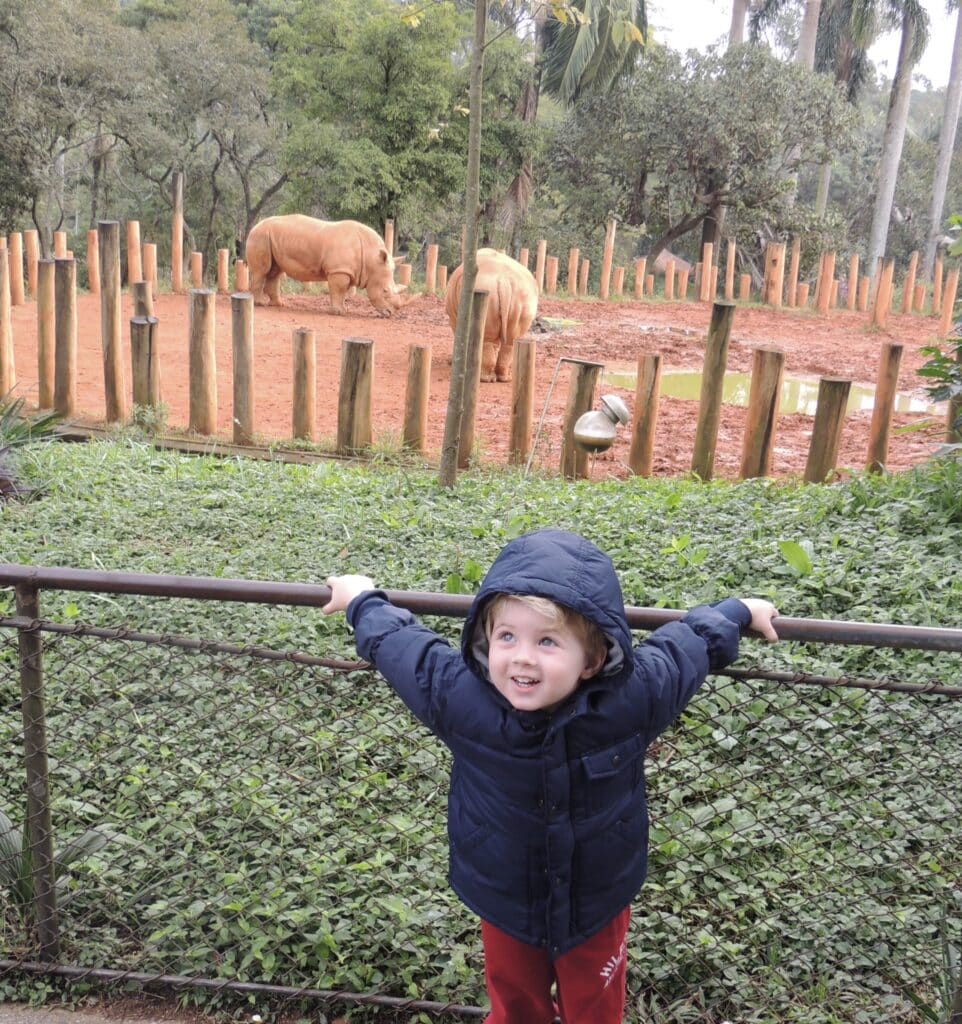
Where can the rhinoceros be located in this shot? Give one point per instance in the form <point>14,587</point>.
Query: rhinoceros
<point>344,253</point>
<point>512,306</point>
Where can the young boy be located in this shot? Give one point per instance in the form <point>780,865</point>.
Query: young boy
<point>548,710</point>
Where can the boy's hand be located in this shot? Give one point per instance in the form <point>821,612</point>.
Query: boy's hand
<point>762,614</point>
<point>343,591</point>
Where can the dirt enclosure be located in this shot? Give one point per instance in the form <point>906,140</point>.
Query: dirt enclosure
<point>840,344</point>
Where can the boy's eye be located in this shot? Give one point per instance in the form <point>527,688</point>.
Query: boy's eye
<point>505,636</point>
<point>548,641</point>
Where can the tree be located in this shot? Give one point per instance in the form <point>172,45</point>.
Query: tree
<point>950,120</point>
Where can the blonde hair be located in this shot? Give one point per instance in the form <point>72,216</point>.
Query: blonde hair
<point>558,615</point>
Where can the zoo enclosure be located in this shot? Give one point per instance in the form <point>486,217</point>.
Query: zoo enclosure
<point>274,827</point>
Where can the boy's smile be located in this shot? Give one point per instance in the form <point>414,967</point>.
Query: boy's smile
<point>535,662</point>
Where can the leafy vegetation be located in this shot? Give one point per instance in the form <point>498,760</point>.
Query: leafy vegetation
<point>16,430</point>
<point>284,823</point>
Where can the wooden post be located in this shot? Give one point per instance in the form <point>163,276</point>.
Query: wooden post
<point>143,300</point>
<point>551,275</point>
<point>707,252</point>
<point>571,282</point>
<point>524,257</point>
<point>144,361</point>
<point>778,276</point>
<point>864,287</point>
<point>415,429</point>
<point>431,270</point>
<point>472,377</point>
<point>618,281</point>
<point>948,302</point>
<point>827,428</point>
<point>111,323</point>
<point>389,234</point>
<point>763,399</point>
<point>730,271</point>
<point>522,401</point>
<point>712,382</point>
<point>641,267</point>
<point>403,274</point>
<point>197,270</point>
<point>135,267</point>
<point>918,303</point>
<point>305,384</point>
<point>881,426</point>
<point>852,296</point>
<point>177,233</point>
<point>15,247</point>
<point>65,346</point>
<point>793,268</point>
<point>937,285</point>
<point>46,332</point>
<point>826,277</point>
<point>93,262</point>
<point>744,287</point>
<point>681,284</point>
<point>8,373</point>
<point>354,395</point>
<point>31,249</point>
<point>442,277</point>
<point>149,259</point>
<point>670,280</point>
<point>60,246</point>
<point>801,295</point>
<point>647,395</point>
<point>883,293</point>
<point>242,276</point>
<point>242,346</point>
<point>583,277</point>
<point>223,271</point>
<point>202,415</point>
<point>606,256</point>
<point>908,285</point>
<point>698,279</point>
<point>539,264</point>
<point>650,284</point>
<point>574,459</point>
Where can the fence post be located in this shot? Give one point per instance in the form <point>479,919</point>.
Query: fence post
<point>583,277</point>
<point>712,381</point>
<point>223,271</point>
<point>604,285</point>
<point>46,337</point>
<point>144,361</point>
<point>305,383</point>
<point>763,397</point>
<point>65,320</point>
<point>826,277</point>
<point>389,234</point>
<point>150,266</point>
<point>793,268</point>
<point>415,427</point>
<point>472,377</point>
<point>242,345</point>
<point>522,401</point>
<point>704,291</point>
<point>948,302</point>
<point>524,256</point>
<point>8,373</point>
<point>31,249</point>
<point>539,263</point>
<point>827,429</point>
<point>730,271</point>
<point>888,376</point>
<point>108,232</point>
<point>618,280</point>
<point>135,266</point>
<point>883,293</point>
<point>551,275</point>
<point>641,267</point>
<point>937,286</point>
<point>143,302</point>
<point>681,285</point>
<point>15,243</point>
<point>202,415</point>
<point>93,261</point>
<point>574,459</point>
<point>647,394</point>
<point>197,269</point>
<point>571,283</point>
<point>242,281</point>
<point>801,295</point>
<point>431,269</point>
<point>354,395</point>
<point>852,296</point>
<point>908,286</point>
<point>670,279</point>
<point>39,828</point>
<point>60,246</point>
<point>177,233</point>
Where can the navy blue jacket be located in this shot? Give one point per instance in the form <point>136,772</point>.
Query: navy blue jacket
<point>547,819</point>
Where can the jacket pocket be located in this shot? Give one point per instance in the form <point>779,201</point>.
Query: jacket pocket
<point>610,776</point>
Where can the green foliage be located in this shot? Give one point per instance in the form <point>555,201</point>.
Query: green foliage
<point>17,430</point>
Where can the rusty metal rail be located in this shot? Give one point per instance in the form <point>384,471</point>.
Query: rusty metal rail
<point>827,631</point>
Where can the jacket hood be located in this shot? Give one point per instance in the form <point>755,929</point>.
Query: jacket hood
<point>566,569</point>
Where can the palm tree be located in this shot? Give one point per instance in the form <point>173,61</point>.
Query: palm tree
<point>950,119</point>
<point>914,22</point>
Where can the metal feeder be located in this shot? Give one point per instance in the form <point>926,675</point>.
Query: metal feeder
<point>595,431</point>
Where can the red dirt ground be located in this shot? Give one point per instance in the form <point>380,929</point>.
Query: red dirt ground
<point>840,344</point>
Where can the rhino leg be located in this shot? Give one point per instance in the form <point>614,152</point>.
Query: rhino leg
<point>272,289</point>
<point>502,367</point>
<point>489,356</point>
<point>338,285</point>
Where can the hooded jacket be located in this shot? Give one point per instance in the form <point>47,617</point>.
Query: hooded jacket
<point>547,817</point>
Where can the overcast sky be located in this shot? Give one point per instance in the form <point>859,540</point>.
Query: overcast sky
<point>695,24</point>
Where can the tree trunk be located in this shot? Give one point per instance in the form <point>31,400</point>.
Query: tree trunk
<point>448,467</point>
<point>736,34</point>
<point>943,163</point>
<point>807,34</point>
<point>892,140</point>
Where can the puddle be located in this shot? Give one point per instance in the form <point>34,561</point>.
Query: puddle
<point>799,394</point>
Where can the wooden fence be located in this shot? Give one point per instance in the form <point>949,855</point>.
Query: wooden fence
<point>52,283</point>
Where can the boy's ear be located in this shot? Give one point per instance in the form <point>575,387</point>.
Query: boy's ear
<point>593,667</point>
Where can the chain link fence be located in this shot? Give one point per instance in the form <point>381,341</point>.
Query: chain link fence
<point>265,829</point>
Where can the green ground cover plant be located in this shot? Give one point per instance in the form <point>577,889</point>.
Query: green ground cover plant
<point>276,822</point>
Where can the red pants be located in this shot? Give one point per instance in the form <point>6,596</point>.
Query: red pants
<point>590,978</point>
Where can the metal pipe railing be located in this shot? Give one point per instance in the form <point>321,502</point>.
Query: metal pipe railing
<point>204,588</point>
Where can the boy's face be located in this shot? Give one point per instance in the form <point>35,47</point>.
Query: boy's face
<point>533,662</point>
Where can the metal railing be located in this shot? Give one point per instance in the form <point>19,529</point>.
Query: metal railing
<point>246,823</point>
